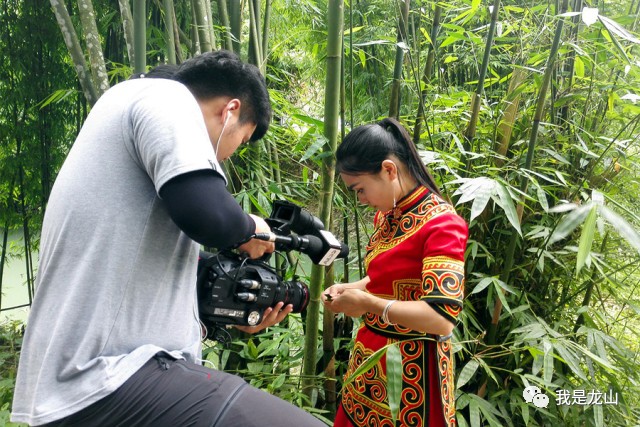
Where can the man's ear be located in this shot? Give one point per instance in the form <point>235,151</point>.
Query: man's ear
<point>233,107</point>
<point>390,168</point>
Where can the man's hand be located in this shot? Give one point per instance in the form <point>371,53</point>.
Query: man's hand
<point>272,315</point>
<point>256,248</point>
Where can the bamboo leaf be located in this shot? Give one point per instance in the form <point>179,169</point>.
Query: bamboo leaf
<point>473,188</point>
<point>569,222</point>
<point>487,410</point>
<point>480,203</point>
<point>570,360</point>
<point>621,225</point>
<point>394,380</point>
<point>373,42</point>
<point>363,58</point>
<point>610,37</point>
<point>502,298</point>
<point>586,239</point>
<point>542,197</point>
<point>565,207</point>
<point>598,415</point>
<point>314,148</point>
<point>506,203</point>
<point>474,414</point>
<point>614,28</point>
<point>467,372</point>
<point>350,31</point>
<point>369,363</point>
<point>548,361</point>
<point>579,67</point>
<point>481,285</point>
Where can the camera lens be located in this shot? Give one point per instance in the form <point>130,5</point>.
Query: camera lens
<point>297,294</point>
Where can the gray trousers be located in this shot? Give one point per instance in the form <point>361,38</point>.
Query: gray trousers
<point>175,393</point>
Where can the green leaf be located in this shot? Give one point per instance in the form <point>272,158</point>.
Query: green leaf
<point>394,380</point>
<point>570,360</point>
<point>548,361</point>
<point>621,225</point>
<point>373,42</point>
<point>480,202</point>
<point>474,414</point>
<point>586,239</point>
<point>502,298</point>
<point>598,415</point>
<point>506,203</point>
<point>320,142</point>
<point>481,285</point>
<point>614,28</point>
<point>467,372</point>
<point>369,363</point>
<point>542,197</point>
<point>569,222</point>
<point>579,67</point>
<point>363,58</point>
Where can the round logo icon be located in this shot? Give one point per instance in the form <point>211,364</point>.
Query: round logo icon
<point>529,393</point>
<point>541,400</point>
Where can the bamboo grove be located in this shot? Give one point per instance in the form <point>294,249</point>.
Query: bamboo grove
<point>526,111</point>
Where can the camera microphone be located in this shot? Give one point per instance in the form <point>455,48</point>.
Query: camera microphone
<point>322,249</point>
<point>305,244</point>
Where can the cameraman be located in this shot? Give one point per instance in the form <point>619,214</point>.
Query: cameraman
<point>113,337</point>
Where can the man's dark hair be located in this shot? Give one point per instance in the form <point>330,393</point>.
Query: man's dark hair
<point>222,73</point>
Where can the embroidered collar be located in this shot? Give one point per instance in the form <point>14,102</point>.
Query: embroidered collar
<point>407,202</point>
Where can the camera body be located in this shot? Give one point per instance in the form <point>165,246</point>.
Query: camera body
<point>235,290</point>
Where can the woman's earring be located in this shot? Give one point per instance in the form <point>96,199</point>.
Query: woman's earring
<point>397,212</point>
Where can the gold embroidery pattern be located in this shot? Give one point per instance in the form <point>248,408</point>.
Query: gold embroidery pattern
<point>391,232</point>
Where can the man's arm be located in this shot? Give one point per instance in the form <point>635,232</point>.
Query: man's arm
<point>200,205</point>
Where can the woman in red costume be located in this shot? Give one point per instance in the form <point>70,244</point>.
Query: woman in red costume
<point>413,287</point>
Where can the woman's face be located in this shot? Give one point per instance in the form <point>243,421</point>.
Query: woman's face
<point>375,190</point>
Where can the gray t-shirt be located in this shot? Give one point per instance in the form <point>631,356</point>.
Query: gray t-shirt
<point>117,278</point>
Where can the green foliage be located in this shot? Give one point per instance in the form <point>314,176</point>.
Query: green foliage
<point>565,314</point>
<point>10,339</point>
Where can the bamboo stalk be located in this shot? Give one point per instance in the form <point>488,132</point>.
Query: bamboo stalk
<point>169,14</point>
<point>505,128</point>
<point>394,102</point>
<point>265,34</point>
<point>127,26</point>
<point>427,73</point>
<point>331,128</point>
<point>235,17</point>
<point>470,131</point>
<point>542,95</point>
<point>204,35</point>
<point>223,16</point>
<point>77,56</point>
<point>255,50</point>
<point>140,36</point>
<point>94,46</point>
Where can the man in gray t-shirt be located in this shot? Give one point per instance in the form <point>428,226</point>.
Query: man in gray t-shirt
<point>113,337</point>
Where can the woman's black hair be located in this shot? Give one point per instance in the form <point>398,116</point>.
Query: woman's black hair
<point>365,148</point>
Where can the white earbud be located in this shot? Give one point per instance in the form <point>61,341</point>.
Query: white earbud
<point>224,126</point>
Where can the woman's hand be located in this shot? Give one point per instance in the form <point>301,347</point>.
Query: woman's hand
<point>340,298</point>
<point>272,315</point>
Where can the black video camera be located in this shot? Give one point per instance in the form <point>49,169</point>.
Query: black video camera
<point>235,290</point>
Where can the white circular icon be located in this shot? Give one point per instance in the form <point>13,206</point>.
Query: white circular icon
<point>529,393</point>
<point>541,400</point>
